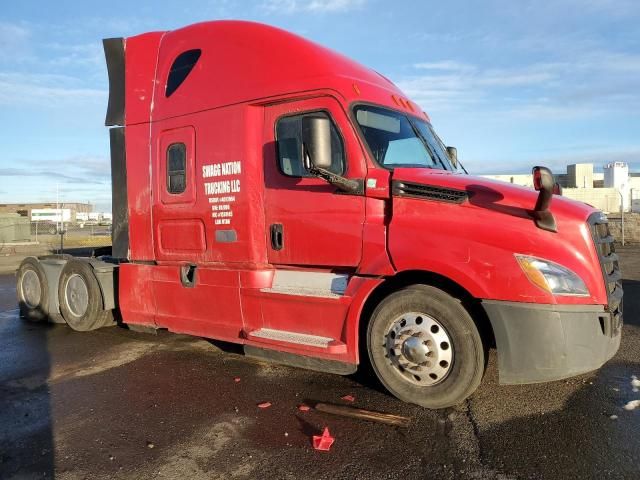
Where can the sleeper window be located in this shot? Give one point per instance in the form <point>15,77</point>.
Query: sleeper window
<point>176,168</point>
<point>180,70</point>
<point>289,142</point>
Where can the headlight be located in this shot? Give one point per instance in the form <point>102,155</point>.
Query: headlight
<point>551,277</point>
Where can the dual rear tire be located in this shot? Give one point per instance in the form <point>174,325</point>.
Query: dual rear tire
<point>80,298</point>
<point>32,290</point>
<point>79,295</point>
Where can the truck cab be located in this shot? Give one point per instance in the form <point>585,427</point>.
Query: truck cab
<point>270,192</point>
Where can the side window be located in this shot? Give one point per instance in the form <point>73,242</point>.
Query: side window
<point>289,142</point>
<point>180,69</point>
<point>176,168</point>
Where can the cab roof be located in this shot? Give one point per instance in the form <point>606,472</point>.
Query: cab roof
<point>240,61</point>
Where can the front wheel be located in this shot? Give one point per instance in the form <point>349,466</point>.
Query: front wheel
<point>425,348</point>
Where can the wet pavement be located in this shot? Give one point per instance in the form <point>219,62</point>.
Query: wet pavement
<point>119,404</point>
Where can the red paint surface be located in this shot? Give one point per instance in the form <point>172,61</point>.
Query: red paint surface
<point>248,76</point>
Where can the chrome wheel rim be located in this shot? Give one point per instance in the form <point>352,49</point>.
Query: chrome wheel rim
<point>419,349</point>
<point>76,295</point>
<point>31,289</point>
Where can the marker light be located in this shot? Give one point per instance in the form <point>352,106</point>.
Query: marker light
<point>552,277</point>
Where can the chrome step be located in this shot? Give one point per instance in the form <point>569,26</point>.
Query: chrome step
<point>270,334</point>
<point>311,284</point>
<point>291,337</point>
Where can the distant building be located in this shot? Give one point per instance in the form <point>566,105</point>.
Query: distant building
<point>25,209</point>
<point>580,175</point>
<point>14,228</point>
<point>616,175</point>
<point>602,190</point>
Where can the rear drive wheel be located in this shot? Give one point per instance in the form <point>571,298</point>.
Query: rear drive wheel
<point>425,348</point>
<point>32,290</point>
<point>81,299</point>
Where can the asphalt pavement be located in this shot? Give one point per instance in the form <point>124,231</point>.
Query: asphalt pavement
<point>120,404</point>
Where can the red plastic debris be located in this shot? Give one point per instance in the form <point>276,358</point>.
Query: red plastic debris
<point>304,408</point>
<point>237,379</point>
<point>349,398</point>
<point>324,441</point>
<point>264,405</point>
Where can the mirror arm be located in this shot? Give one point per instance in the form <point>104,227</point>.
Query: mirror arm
<point>344,184</point>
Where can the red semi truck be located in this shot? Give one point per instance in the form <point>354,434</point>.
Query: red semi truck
<point>271,192</point>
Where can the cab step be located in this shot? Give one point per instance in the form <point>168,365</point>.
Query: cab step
<point>271,335</point>
<point>308,284</point>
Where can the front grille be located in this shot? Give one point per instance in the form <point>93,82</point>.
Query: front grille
<point>609,264</point>
<point>429,192</point>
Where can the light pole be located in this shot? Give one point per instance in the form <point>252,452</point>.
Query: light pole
<point>622,188</point>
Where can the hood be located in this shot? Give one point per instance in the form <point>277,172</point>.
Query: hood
<point>485,193</point>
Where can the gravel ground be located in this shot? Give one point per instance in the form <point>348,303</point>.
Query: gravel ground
<point>119,404</point>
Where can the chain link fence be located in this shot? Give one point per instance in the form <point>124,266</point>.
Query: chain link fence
<point>17,230</point>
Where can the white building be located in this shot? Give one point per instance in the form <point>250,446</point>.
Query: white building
<point>55,215</point>
<point>616,175</point>
<point>604,191</point>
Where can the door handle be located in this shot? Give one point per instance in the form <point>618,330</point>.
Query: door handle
<point>277,236</point>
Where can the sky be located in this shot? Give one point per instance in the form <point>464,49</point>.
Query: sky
<point>511,84</point>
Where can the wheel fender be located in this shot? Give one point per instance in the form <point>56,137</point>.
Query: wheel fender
<point>106,274</point>
<point>52,267</point>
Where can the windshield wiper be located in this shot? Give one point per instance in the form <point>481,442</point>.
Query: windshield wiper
<point>434,158</point>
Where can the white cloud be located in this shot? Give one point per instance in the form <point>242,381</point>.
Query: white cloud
<point>78,170</point>
<point>74,178</point>
<point>14,40</point>
<point>447,65</point>
<point>12,33</point>
<point>594,83</point>
<point>90,54</point>
<point>598,155</point>
<point>45,90</point>
<point>318,6</point>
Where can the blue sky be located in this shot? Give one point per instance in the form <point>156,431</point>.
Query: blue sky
<point>510,83</point>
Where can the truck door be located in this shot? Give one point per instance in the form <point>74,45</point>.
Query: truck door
<point>309,223</point>
<point>191,296</point>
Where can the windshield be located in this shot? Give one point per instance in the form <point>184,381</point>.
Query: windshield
<point>397,140</point>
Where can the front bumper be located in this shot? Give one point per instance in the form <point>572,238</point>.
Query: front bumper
<point>540,343</point>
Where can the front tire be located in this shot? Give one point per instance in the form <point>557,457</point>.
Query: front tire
<point>425,348</point>
<point>81,299</point>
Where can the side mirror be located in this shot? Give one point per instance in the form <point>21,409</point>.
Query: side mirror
<point>543,179</point>
<point>316,140</point>
<point>544,182</point>
<point>453,156</point>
